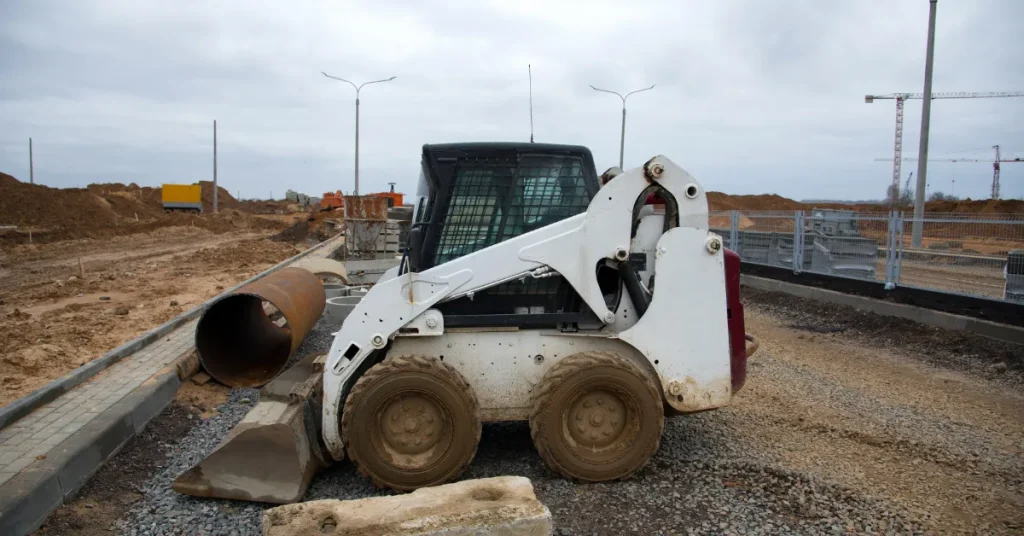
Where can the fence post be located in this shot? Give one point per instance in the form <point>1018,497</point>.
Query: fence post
<point>898,259</point>
<point>798,241</point>
<point>734,227</point>
<point>890,245</point>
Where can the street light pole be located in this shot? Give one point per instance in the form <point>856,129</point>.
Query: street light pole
<point>622,136</point>
<point>357,88</point>
<point>926,112</point>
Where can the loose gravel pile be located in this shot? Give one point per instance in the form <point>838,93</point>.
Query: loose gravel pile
<point>959,350</point>
<point>801,451</point>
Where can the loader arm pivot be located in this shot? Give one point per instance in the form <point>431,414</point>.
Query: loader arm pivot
<point>572,247</point>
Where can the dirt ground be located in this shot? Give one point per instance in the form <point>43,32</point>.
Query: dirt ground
<point>52,320</point>
<point>930,420</point>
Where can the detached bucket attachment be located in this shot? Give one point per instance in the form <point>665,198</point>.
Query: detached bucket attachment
<point>271,455</point>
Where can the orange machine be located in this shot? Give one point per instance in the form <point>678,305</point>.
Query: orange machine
<point>394,199</point>
<point>332,201</point>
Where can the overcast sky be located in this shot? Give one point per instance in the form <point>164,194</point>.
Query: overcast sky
<point>752,96</point>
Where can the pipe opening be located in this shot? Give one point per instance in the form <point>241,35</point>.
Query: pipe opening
<point>243,341</point>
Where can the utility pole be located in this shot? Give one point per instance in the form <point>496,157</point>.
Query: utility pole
<point>215,191</point>
<point>31,166</point>
<point>622,136</point>
<point>926,110</point>
<point>357,88</point>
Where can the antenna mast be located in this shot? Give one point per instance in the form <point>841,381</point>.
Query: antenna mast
<point>529,69</point>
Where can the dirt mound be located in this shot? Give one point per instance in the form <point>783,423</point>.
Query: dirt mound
<point>111,209</point>
<point>256,206</point>
<point>151,195</point>
<point>317,227</point>
<point>720,201</point>
<point>981,206</point>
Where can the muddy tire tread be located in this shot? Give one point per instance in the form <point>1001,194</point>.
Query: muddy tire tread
<point>392,365</point>
<point>563,370</point>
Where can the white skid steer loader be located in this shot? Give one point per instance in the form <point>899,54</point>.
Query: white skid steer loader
<point>405,390</point>
<point>529,292</point>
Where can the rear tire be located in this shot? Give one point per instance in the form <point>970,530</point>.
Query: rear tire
<point>596,416</point>
<point>411,422</point>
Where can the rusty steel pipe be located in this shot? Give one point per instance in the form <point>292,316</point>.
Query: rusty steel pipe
<point>240,346</point>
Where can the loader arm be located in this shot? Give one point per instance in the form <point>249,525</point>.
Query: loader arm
<point>572,248</point>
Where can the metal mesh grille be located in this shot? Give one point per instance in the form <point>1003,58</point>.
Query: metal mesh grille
<point>494,199</point>
<point>474,212</point>
<point>547,190</point>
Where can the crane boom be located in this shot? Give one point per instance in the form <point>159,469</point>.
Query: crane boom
<point>948,95</point>
<point>995,165</point>
<point>898,159</point>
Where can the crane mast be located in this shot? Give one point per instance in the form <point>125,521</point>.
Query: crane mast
<point>995,174</point>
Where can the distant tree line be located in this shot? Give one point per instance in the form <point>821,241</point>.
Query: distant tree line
<point>906,196</point>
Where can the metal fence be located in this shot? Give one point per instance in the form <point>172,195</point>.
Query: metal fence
<point>973,254</point>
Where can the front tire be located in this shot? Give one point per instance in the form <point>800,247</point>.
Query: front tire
<point>411,422</point>
<point>596,416</point>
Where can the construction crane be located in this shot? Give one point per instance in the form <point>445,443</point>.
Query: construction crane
<point>995,166</point>
<point>897,158</point>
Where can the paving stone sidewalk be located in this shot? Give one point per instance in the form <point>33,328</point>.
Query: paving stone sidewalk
<point>32,437</point>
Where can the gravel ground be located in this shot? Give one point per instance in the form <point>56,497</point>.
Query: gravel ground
<point>842,428</point>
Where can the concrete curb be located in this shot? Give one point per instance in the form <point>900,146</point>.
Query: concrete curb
<point>27,500</point>
<point>921,315</point>
<point>49,392</point>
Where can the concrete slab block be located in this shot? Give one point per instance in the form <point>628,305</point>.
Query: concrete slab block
<point>21,462</point>
<point>74,461</point>
<point>55,438</point>
<point>11,440</point>
<point>26,500</point>
<point>73,427</point>
<point>503,505</point>
<point>151,398</point>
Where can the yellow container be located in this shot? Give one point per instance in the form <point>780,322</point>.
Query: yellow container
<point>181,193</point>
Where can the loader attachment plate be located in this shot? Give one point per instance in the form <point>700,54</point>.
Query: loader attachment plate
<point>273,453</point>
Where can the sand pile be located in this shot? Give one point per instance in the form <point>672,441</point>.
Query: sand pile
<point>103,210</point>
<point>317,227</point>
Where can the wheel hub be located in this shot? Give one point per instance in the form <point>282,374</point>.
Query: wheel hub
<point>411,424</point>
<point>597,419</point>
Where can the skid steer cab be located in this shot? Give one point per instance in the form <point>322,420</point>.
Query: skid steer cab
<point>530,292</point>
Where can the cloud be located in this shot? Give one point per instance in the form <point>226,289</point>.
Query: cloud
<point>751,96</point>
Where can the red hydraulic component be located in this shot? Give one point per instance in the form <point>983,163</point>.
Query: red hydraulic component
<point>737,335</point>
